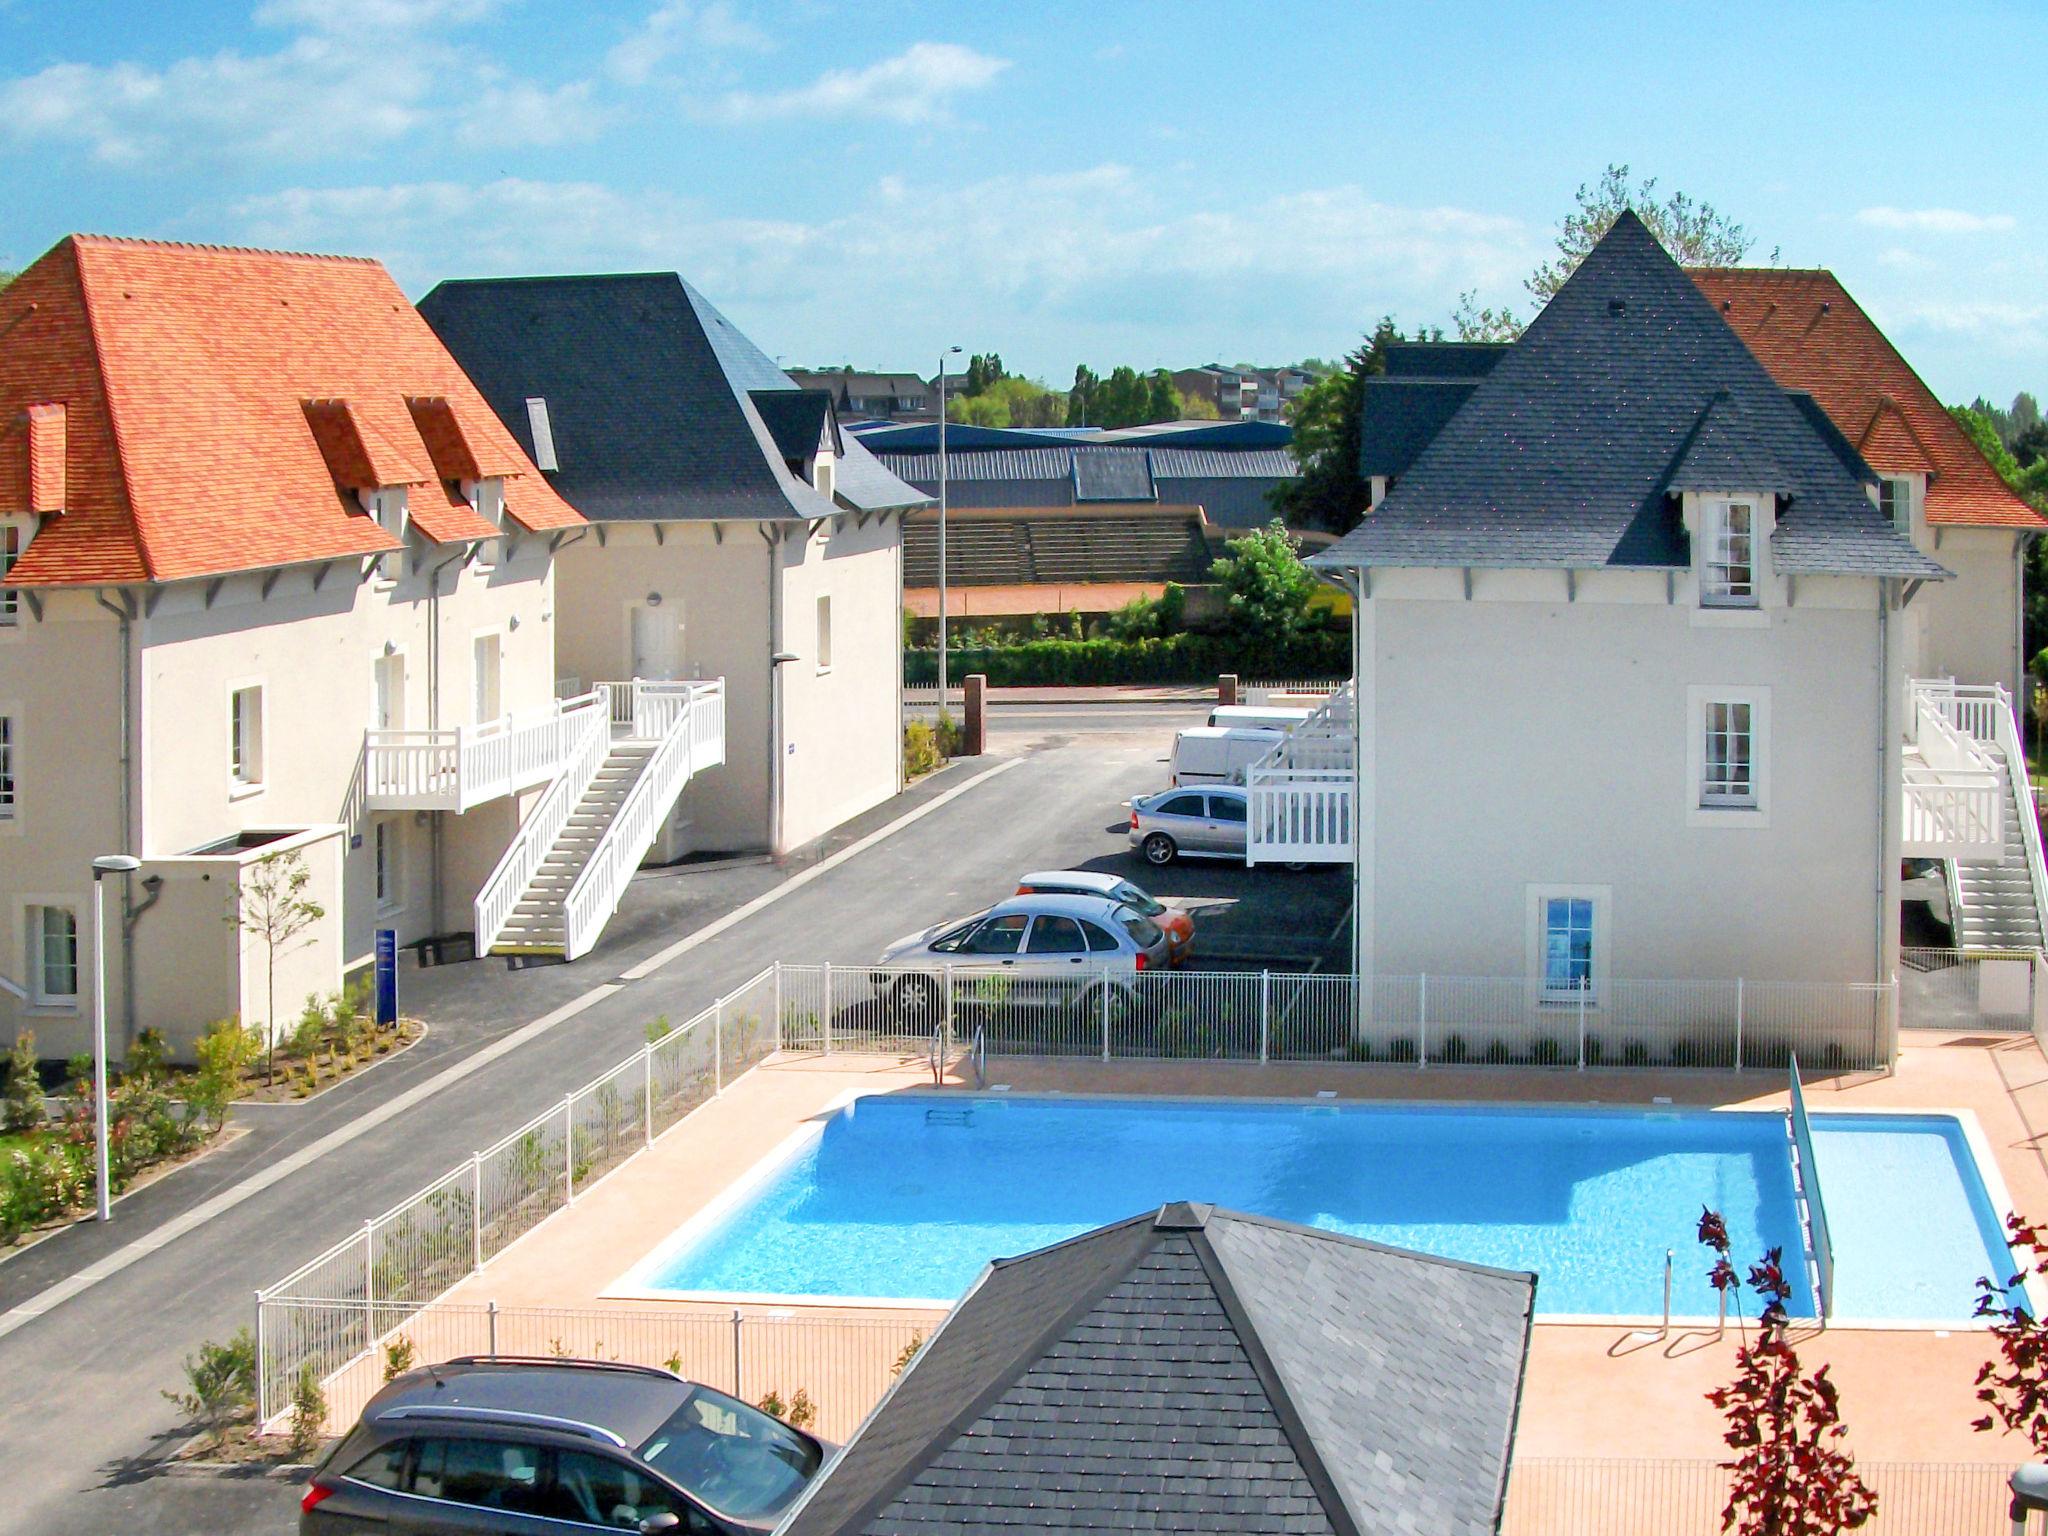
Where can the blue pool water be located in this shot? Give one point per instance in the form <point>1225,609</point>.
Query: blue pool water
<point>908,1197</point>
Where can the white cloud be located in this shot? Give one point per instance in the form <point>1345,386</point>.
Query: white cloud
<point>675,26</point>
<point>353,77</point>
<point>1936,221</point>
<point>1087,263</point>
<point>918,85</point>
<point>1984,318</point>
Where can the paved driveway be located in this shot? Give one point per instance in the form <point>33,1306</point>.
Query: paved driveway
<point>81,1424</point>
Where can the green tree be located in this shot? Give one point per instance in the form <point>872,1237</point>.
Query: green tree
<point>22,1107</point>
<point>1081,398</point>
<point>1162,399</point>
<point>1266,587</point>
<point>982,372</point>
<point>1696,233</point>
<point>1328,493</point>
<point>274,909</point>
<point>1195,408</point>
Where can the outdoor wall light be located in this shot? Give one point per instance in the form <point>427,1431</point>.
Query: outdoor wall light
<point>654,599</point>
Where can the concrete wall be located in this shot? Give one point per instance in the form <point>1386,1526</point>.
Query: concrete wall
<point>1530,737</point>
<point>842,733</point>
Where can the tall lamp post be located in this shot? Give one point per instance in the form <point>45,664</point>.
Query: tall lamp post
<point>945,698</point>
<point>106,864</point>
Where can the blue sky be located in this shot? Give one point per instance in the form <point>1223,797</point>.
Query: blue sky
<point>1104,182</point>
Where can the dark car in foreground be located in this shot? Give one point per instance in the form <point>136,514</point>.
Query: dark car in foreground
<point>526,1447</point>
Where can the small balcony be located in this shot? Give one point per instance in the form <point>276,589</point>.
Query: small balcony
<point>1953,780</point>
<point>453,770</point>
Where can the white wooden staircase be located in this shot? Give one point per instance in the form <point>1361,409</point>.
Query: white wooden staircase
<point>560,881</point>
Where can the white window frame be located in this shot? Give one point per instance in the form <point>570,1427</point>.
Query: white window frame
<point>15,533</point>
<point>824,607</point>
<point>476,639</point>
<point>1895,501</point>
<point>1717,552</point>
<point>387,865</point>
<point>1600,898</point>
<point>1708,808</point>
<point>34,957</point>
<point>10,767</point>
<point>241,781</point>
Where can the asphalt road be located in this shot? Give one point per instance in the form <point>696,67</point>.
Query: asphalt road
<point>83,1429</point>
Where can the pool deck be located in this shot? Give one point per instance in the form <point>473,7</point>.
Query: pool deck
<point>1593,1389</point>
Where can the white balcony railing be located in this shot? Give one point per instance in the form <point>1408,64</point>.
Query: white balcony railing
<point>688,721</point>
<point>453,770</point>
<point>1953,780</point>
<point>1302,797</point>
<point>1984,717</point>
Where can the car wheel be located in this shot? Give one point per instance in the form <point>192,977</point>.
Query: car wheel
<point>1295,868</point>
<point>916,1001</point>
<point>1158,848</point>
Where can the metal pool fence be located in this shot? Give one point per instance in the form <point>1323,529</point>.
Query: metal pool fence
<point>841,1364</point>
<point>1994,991</point>
<point>1071,1009</point>
<point>1585,1496</point>
<point>338,1306</point>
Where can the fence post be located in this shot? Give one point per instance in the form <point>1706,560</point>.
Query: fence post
<point>569,1143</point>
<point>1265,1017</point>
<point>369,1285</point>
<point>778,1005</point>
<point>718,1048</point>
<point>647,1089</point>
<point>828,1007</point>
<point>1421,1020</point>
<point>1582,1026</point>
<point>262,1367</point>
<point>736,1323</point>
<point>476,1210</point>
<point>1105,1012</point>
<point>493,1315</point>
<point>1738,1023</point>
<point>946,1007</point>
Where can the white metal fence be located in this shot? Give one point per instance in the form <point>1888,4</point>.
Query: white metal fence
<point>1075,1010</point>
<point>1976,990</point>
<point>337,1307</point>
<point>1588,1496</point>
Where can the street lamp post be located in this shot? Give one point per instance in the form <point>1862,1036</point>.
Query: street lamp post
<point>945,698</point>
<point>106,864</point>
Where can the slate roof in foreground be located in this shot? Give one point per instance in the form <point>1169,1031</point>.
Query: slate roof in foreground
<point>1202,1371</point>
<point>1565,453</point>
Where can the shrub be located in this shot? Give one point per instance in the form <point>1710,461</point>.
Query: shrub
<point>907,1354</point>
<point>22,1109</point>
<point>1634,1053</point>
<point>1454,1049</point>
<point>1687,1052</point>
<point>309,1414</point>
<point>657,1029</point>
<point>310,1032</point>
<point>1546,1053</point>
<point>1401,1048</point>
<point>1497,1053</point>
<point>220,1384</point>
<point>920,749</point>
<point>1182,658</point>
<point>1595,1051</point>
<point>148,1058</point>
<point>224,1053</point>
<point>397,1357</point>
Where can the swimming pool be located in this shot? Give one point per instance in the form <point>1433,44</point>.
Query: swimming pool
<point>905,1198</point>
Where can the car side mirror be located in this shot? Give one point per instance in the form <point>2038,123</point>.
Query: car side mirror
<point>667,1520</point>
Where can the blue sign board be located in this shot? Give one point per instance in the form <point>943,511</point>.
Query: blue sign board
<point>387,977</point>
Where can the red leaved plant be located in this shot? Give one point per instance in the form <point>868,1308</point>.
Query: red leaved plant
<point>2015,1385</point>
<point>1791,1475</point>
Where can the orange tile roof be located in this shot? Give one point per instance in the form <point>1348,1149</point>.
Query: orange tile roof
<point>1803,326</point>
<point>217,399</point>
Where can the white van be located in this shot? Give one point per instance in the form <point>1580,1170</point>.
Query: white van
<point>1256,717</point>
<point>1214,754</point>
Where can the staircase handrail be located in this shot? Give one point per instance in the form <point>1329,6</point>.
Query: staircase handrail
<point>583,754</point>
<point>685,743</point>
<point>1329,726</point>
<point>2010,744</point>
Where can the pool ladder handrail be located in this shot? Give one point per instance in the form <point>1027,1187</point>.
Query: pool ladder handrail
<point>978,1053</point>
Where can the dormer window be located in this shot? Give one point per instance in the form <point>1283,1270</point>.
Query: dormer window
<point>1728,577</point>
<point>1895,500</point>
<point>13,540</point>
<point>388,506</point>
<point>488,497</point>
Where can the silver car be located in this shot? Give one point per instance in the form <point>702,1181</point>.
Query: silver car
<point>1041,950</point>
<point>1201,821</point>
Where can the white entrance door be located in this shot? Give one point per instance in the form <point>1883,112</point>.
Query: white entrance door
<point>655,643</point>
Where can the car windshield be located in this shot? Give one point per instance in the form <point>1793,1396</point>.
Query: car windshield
<point>1131,896</point>
<point>1143,931</point>
<point>735,1458</point>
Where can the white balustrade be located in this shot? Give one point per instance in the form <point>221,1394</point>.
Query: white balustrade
<point>454,770</point>
<point>587,743</point>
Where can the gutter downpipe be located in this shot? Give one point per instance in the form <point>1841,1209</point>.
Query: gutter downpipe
<point>124,616</point>
<point>434,721</point>
<point>1885,863</point>
<point>773,536</point>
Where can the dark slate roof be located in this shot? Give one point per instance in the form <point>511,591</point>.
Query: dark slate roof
<point>1726,451</point>
<point>1398,418</point>
<point>651,397</point>
<point>1443,359</point>
<point>1564,453</point>
<point>1109,474</point>
<point>1224,436</point>
<point>1201,1371</point>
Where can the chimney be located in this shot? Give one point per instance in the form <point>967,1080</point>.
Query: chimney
<point>46,488</point>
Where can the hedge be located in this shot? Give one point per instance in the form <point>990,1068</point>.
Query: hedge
<point>1184,658</point>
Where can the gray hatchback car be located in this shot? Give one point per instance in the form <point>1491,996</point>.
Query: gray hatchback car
<point>544,1447</point>
<point>1201,821</point>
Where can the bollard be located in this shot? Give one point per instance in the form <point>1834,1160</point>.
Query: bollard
<point>974,733</point>
<point>1226,688</point>
<point>493,1315</point>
